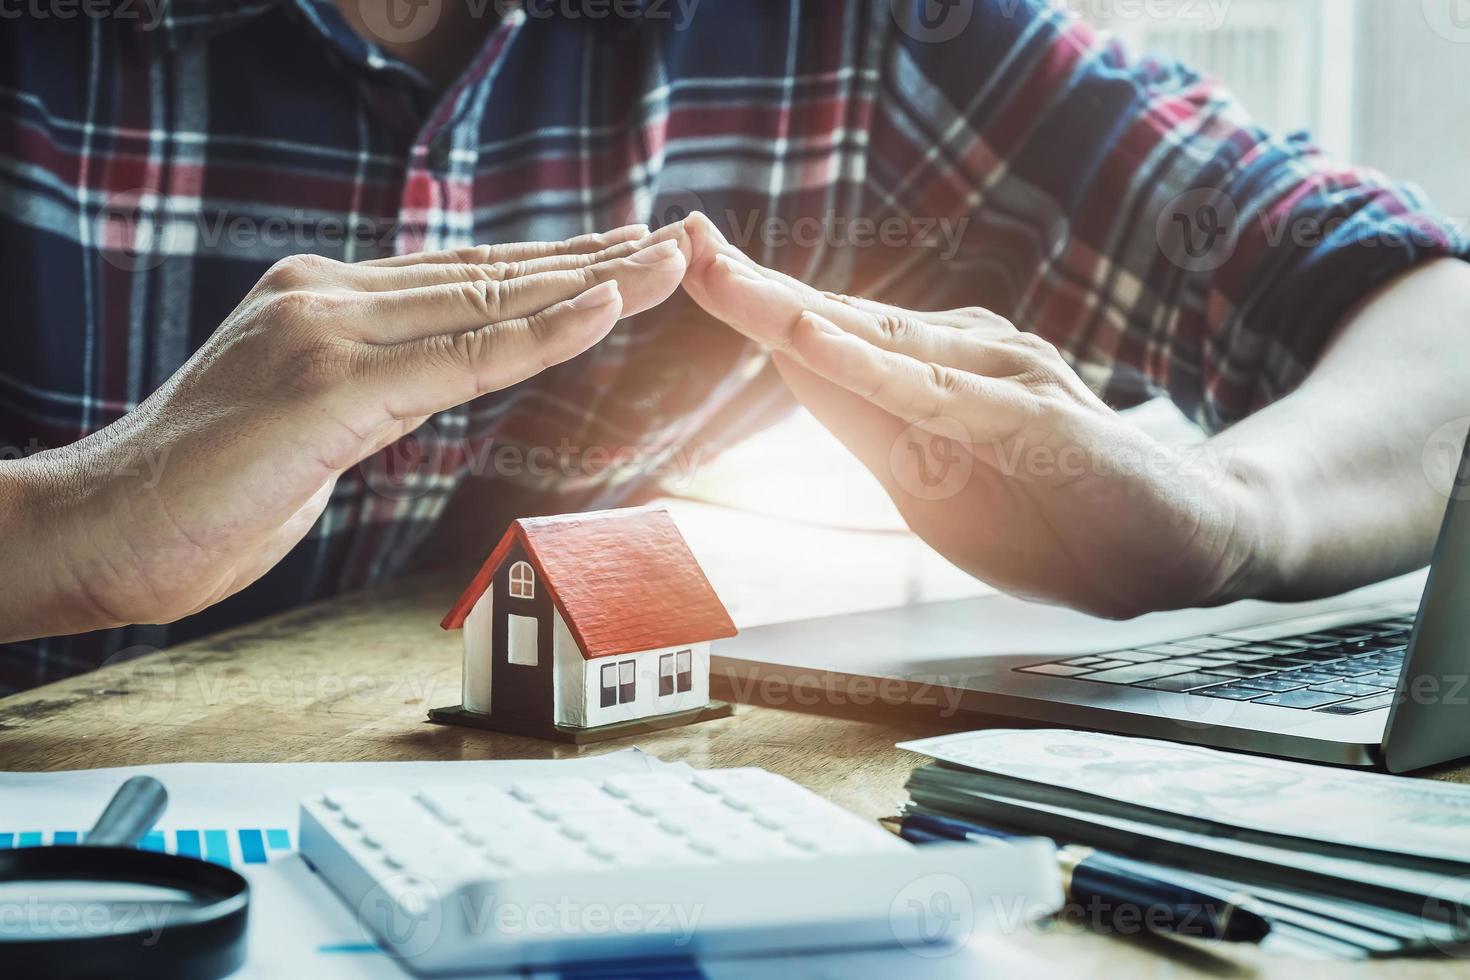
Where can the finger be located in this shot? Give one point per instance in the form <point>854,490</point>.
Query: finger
<point>765,304</point>
<point>768,310</point>
<point>367,278</point>
<point>517,252</point>
<point>393,277</point>
<point>924,394</point>
<point>645,278</point>
<point>436,373</point>
<point>974,319</point>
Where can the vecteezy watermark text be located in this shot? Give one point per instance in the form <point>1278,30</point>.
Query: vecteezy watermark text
<point>148,13</point>
<point>1201,229</point>
<point>406,21</point>
<point>837,231</point>
<point>569,916</point>
<point>140,229</point>
<point>410,466</point>
<point>61,918</point>
<point>410,912</point>
<point>126,463</point>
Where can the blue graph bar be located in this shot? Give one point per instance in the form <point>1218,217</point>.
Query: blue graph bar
<point>213,845</point>
<point>252,847</point>
<point>187,843</point>
<point>217,847</point>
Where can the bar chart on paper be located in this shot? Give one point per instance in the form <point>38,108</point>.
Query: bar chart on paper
<point>233,847</point>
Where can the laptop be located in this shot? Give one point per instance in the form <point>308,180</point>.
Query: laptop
<point>1379,677</point>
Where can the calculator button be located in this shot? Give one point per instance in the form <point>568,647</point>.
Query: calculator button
<point>644,783</point>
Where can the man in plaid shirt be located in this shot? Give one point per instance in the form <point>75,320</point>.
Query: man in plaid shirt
<point>250,247</point>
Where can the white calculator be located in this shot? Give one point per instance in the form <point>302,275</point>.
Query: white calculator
<point>456,878</point>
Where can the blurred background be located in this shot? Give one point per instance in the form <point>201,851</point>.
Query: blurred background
<point>1370,79</point>
<point>1290,61</point>
<point>1382,83</point>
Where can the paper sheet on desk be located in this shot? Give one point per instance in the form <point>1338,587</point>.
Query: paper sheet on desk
<point>1393,814</point>
<point>245,815</point>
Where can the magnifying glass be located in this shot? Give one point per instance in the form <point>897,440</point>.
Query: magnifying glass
<point>105,908</point>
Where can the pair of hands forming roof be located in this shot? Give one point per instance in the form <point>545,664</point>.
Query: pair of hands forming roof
<point>993,448</point>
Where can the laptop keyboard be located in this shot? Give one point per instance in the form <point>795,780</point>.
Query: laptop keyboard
<point>1344,671</point>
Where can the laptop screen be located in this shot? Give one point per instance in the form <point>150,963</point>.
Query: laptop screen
<point>1428,723</point>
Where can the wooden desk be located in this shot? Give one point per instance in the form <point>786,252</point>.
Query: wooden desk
<point>351,680</point>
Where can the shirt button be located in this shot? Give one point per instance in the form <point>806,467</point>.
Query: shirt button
<point>439,150</point>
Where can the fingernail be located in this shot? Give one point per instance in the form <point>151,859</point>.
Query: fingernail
<point>655,254</point>
<point>822,325</point>
<point>603,294</point>
<point>709,223</point>
<point>738,268</point>
<point>637,231</point>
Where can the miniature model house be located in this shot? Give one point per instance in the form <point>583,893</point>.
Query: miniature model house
<point>588,626</point>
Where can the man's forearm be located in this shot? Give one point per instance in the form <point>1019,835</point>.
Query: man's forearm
<point>1351,487</point>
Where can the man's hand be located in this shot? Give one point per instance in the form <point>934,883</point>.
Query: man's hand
<point>993,448</point>
<point>321,365</point>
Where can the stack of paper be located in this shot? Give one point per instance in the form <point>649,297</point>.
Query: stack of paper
<point>1347,863</point>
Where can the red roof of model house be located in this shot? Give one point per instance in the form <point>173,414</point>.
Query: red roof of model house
<point>624,580</point>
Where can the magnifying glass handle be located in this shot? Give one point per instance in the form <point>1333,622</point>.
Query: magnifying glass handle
<point>134,808</point>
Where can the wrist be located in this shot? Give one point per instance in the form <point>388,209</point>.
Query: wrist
<point>49,501</point>
<point>1262,542</point>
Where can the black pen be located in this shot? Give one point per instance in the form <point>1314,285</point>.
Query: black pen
<point>1114,891</point>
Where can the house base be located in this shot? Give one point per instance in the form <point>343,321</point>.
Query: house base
<point>459,715</point>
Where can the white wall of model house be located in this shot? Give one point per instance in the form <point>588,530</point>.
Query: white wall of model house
<point>578,683</point>
<point>478,656</point>
<point>638,674</point>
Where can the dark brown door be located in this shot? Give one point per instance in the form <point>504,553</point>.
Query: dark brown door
<point>521,643</point>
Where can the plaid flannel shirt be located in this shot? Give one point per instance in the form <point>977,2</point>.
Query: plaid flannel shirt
<point>155,161</point>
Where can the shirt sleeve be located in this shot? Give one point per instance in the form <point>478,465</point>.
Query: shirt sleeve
<point>1129,209</point>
